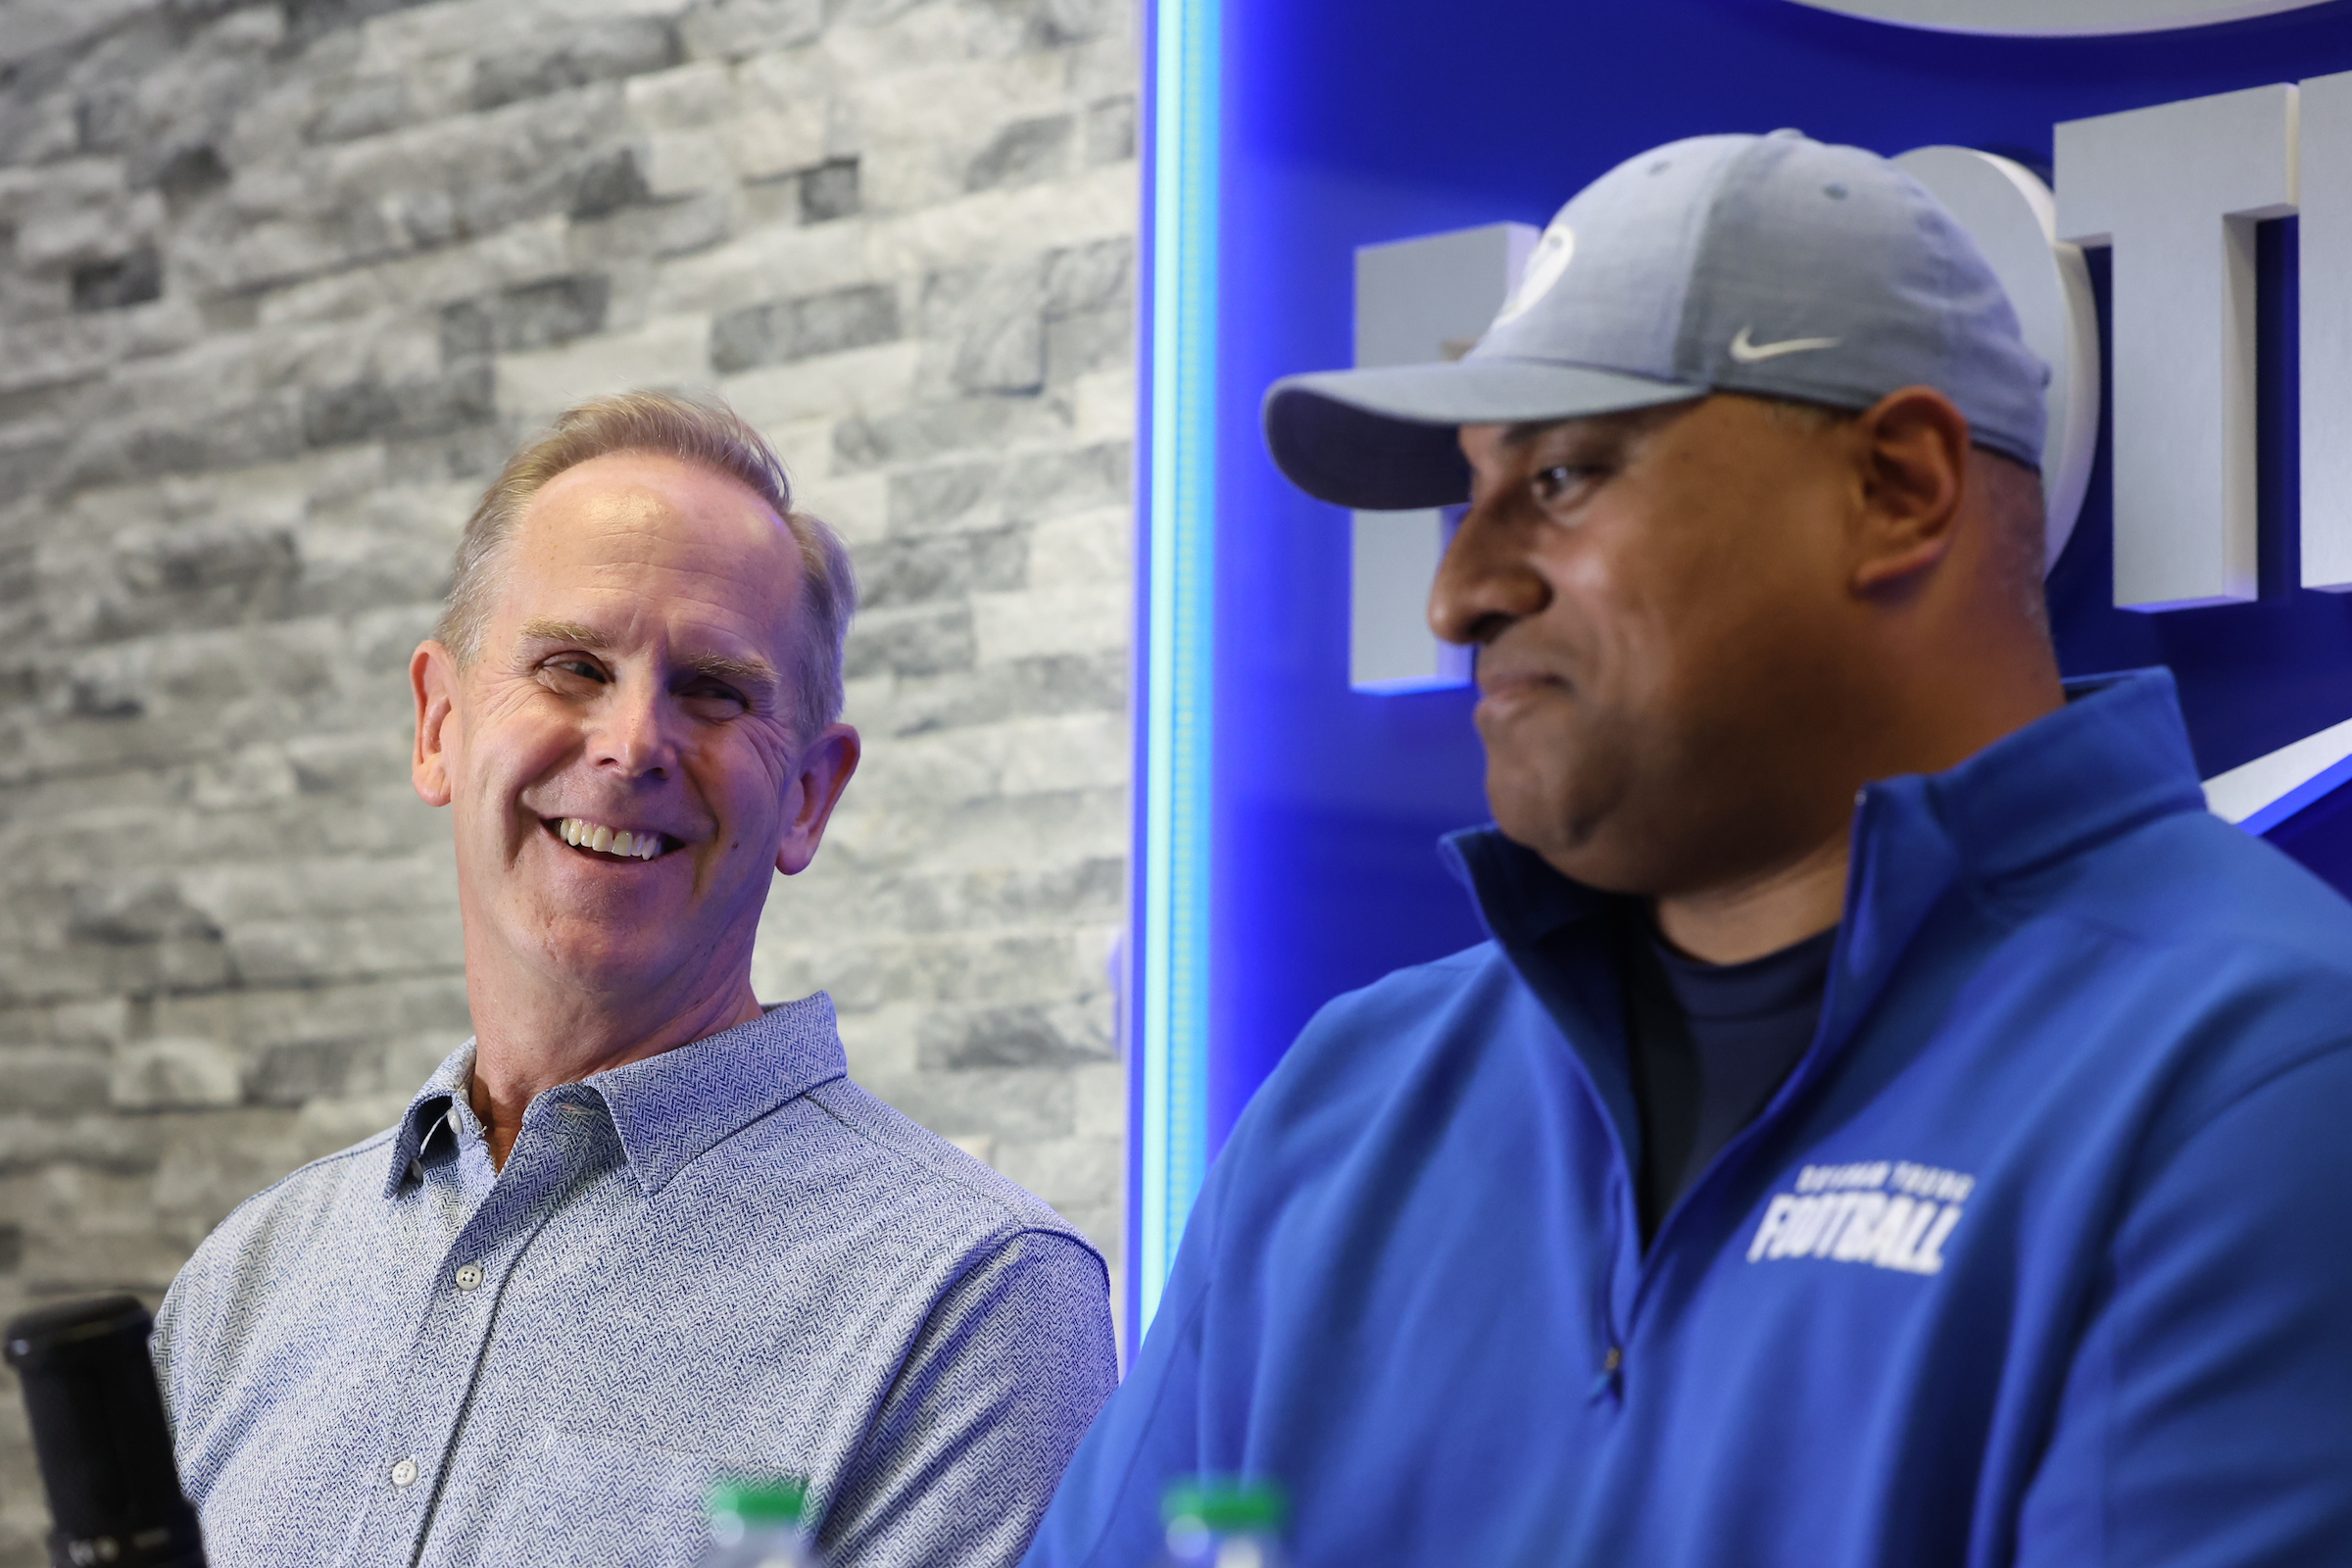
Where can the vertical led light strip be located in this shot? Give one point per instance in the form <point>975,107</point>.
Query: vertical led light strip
<point>1174,1053</point>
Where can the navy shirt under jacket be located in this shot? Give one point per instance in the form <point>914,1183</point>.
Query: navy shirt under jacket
<point>2036,1257</point>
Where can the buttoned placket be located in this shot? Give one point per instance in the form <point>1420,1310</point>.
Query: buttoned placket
<point>426,1404</point>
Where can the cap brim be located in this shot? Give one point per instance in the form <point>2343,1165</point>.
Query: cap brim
<point>1382,440</point>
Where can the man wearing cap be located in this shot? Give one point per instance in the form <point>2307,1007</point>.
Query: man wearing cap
<point>1892,1122</point>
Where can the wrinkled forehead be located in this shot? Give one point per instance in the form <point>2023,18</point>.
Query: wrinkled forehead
<point>648,535</point>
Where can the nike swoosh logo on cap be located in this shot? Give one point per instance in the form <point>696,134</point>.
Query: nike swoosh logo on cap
<point>1747,352</point>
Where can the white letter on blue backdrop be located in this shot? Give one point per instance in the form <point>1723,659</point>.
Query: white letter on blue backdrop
<point>1417,301</point>
<point>2324,261</point>
<point>2008,212</point>
<point>2175,190</point>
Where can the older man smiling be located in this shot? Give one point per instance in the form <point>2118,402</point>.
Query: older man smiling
<point>641,1232</point>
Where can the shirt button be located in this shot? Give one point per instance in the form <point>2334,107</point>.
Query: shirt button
<point>469,1275</point>
<point>404,1473</point>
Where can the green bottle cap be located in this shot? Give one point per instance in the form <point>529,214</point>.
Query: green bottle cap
<point>1225,1505</point>
<point>744,1502</point>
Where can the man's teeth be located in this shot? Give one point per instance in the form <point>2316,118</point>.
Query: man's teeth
<point>595,836</point>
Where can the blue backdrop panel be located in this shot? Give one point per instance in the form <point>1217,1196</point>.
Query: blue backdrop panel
<point>1345,123</point>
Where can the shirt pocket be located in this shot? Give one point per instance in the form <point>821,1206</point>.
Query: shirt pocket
<point>579,1501</point>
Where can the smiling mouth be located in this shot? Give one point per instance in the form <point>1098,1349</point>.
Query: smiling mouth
<point>610,844</point>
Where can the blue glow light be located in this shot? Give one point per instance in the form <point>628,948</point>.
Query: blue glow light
<point>1179,526</point>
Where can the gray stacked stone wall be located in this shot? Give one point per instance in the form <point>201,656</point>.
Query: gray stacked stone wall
<point>280,284</point>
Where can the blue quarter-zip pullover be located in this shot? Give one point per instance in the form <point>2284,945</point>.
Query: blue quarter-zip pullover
<point>2039,1256</point>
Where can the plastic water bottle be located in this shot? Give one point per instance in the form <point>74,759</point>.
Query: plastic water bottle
<point>1223,1521</point>
<point>756,1524</point>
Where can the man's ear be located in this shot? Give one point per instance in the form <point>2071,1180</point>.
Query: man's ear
<point>433,679</point>
<point>819,774</point>
<point>1915,468</point>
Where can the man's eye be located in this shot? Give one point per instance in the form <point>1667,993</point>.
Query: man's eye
<point>714,702</point>
<point>1557,483</point>
<point>585,670</point>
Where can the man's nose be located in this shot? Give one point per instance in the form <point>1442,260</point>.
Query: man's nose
<point>633,731</point>
<point>1485,581</point>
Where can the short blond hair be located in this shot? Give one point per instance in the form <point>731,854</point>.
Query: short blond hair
<point>710,435</point>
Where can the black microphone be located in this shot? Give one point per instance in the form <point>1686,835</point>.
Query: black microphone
<point>99,1432</point>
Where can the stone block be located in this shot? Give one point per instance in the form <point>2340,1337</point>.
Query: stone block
<point>351,947</point>
<point>1004,222</point>
<point>118,281</point>
<point>255,1019</point>
<point>906,571</point>
<point>733,28</point>
<point>174,1075</point>
<point>686,97</point>
<point>181,576</point>
<point>995,318</point>
<point>525,317</point>
<point>369,106</point>
<point>685,163</point>
<point>857,506</point>
<point>667,351</point>
<point>1026,1036</point>
<point>944,427</point>
<point>659,230</point>
<point>296,1074</point>
<point>747,272</point>
<point>610,182</point>
<point>829,191</point>
<point>307,19</point>
<point>1078,345</point>
<point>574,57</point>
<point>1058,23</point>
<point>776,142</point>
<point>1032,622</point>
<point>1015,1104</point>
<point>1083,549</point>
<point>50,1083</point>
<point>1082,279</point>
<point>1099,1100</point>
<point>871,38</point>
<point>919,640</point>
<point>1106,134</point>
<point>1045,755</point>
<point>1074,1171</point>
<point>986,834</point>
<point>848,385</point>
<point>410,34</point>
<point>372,410</point>
<point>1055,484</point>
<point>1023,153</point>
<point>944,496</point>
<point>1013,757</point>
<point>988,694</point>
<point>803,328</point>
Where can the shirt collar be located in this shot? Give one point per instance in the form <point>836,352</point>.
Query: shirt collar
<point>2116,755</point>
<point>667,1109</point>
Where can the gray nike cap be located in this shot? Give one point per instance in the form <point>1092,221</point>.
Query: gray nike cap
<point>1769,264</point>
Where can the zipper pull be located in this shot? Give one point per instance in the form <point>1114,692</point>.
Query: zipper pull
<point>1604,1387</point>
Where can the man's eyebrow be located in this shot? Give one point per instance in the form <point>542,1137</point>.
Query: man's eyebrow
<point>748,671</point>
<point>562,631</point>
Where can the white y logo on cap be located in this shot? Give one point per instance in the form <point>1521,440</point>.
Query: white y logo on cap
<point>1747,351</point>
<point>1544,268</point>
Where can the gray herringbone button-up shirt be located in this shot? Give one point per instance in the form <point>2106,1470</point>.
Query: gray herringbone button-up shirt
<point>724,1259</point>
